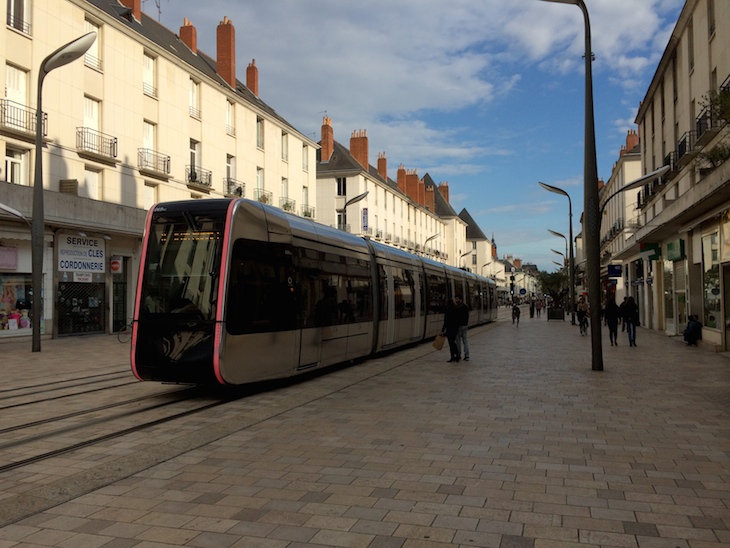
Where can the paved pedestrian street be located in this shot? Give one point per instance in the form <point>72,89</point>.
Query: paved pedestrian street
<point>522,446</point>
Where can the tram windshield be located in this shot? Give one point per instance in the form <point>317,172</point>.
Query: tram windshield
<point>182,266</point>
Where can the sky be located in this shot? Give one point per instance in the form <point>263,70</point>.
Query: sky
<point>486,95</point>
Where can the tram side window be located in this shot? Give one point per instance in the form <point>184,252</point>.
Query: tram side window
<point>403,292</point>
<point>331,307</point>
<point>309,290</point>
<point>437,294</point>
<point>359,291</point>
<point>261,292</point>
<point>475,296</point>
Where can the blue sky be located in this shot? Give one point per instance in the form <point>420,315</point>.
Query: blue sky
<point>487,95</point>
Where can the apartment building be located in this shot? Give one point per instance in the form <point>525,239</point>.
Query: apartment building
<point>410,213</point>
<point>677,262</point>
<point>620,217</point>
<point>144,117</point>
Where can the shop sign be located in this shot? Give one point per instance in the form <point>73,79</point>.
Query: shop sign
<point>675,250</point>
<point>365,219</point>
<point>615,270</point>
<point>9,258</point>
<point>81,254</point>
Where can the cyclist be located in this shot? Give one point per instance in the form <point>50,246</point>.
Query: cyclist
<point>582,310</point>
<point>516,314</point>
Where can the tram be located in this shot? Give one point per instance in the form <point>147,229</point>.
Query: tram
<point>233,291</point>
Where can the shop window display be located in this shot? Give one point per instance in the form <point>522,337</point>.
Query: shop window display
<point>15,303</point>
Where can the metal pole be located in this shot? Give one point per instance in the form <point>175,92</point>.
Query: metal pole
<point>591,206</point>
<point>38,221</point>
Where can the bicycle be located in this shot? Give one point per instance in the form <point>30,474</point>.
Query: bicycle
<point>124,335</point>
<point>583,322</point>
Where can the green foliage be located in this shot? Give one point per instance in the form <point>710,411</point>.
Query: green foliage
<point>716,155</point>
<point>554,284</point>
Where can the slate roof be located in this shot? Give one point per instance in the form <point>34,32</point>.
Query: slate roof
<point>442,207</point>
<point>170,42</point>
<point>473,232</point>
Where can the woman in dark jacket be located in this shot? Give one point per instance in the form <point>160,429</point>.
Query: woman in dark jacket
<point>451,329</point>
<point>631,319</point>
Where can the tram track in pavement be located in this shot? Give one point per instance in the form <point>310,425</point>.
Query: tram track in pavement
<point>38,485</point>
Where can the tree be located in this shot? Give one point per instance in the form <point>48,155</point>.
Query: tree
<point>554,284</point>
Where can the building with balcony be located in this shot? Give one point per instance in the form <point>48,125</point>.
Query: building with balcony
<point>677,261</point>
<point>144,117</point>
<point>620,217</point>
<point>410,213</point>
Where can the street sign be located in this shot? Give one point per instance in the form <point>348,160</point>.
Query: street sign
<point>523,291</point>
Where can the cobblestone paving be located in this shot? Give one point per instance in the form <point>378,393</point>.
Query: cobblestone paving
<point>522,446</point>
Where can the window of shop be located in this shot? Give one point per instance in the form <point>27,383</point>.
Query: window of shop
<point>711,280</point>
<point>15,303</point>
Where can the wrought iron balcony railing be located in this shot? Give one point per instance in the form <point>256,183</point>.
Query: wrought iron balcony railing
<point>196,175</point>
<point>263,196</point>
<point>96,142</point>
<point>21,118</point>
<point>287,204</point>
<point>234,188</point>
<point>149,160</point>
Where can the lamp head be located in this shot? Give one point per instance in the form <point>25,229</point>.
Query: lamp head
<point>558,234</point>
<point>574,2</point>
<point>68,53</point>
<point>551,188</point>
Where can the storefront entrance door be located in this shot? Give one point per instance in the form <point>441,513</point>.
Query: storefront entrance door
<point>81,308</point>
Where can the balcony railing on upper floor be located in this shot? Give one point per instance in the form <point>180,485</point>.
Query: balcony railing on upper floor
<point>92,61</point>
<point>287,204</point>
<point>196,175</point>
<point>263,196</point>
<point>18,23</point>
<point>686,148</point>
<point>151,161</point>
<point>95,142</point>
<point>308,211</point>
<point>17,117</point>
<point>234,188</point>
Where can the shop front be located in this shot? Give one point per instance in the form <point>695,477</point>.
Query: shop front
<point>16,289</point>
<point>81,284</point>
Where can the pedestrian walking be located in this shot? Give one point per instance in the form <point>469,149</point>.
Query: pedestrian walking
<point>538,307</point>
<point>451,330</point>
<point>516,314</point>
<point>532,308</point>
<point>631,319</point>
<point>462,315</point>
<point>611,318</point>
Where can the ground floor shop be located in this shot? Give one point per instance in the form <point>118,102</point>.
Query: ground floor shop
<point>88,282</point>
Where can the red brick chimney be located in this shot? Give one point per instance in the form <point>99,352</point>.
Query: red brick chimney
<point>632,139</point>
<point>382,166</point>
<point>601,184</point>
<point>252,78</point>
<point>412,184</point>
<point>135,6</point>
<point>430,199</point>
<point>189,36</point>
<point>517,263</point>
<point>401,179</point>
<point>359,147</point>
<point>328,140</point>
<point>226,62</point>
<point>444,190</point>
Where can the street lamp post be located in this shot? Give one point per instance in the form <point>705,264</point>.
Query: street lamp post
<point>343,209</point>
<point>571,260</point>
<point>558,234</point>
<point>592,223</point>
<point>429,239</point>
<point>464,255</point>
<point>62,56</point>
<point>485,264</point>
<point>643,180</point>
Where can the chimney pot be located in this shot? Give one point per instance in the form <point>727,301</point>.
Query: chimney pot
<point>252,77</point>
<point>226,42</point>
